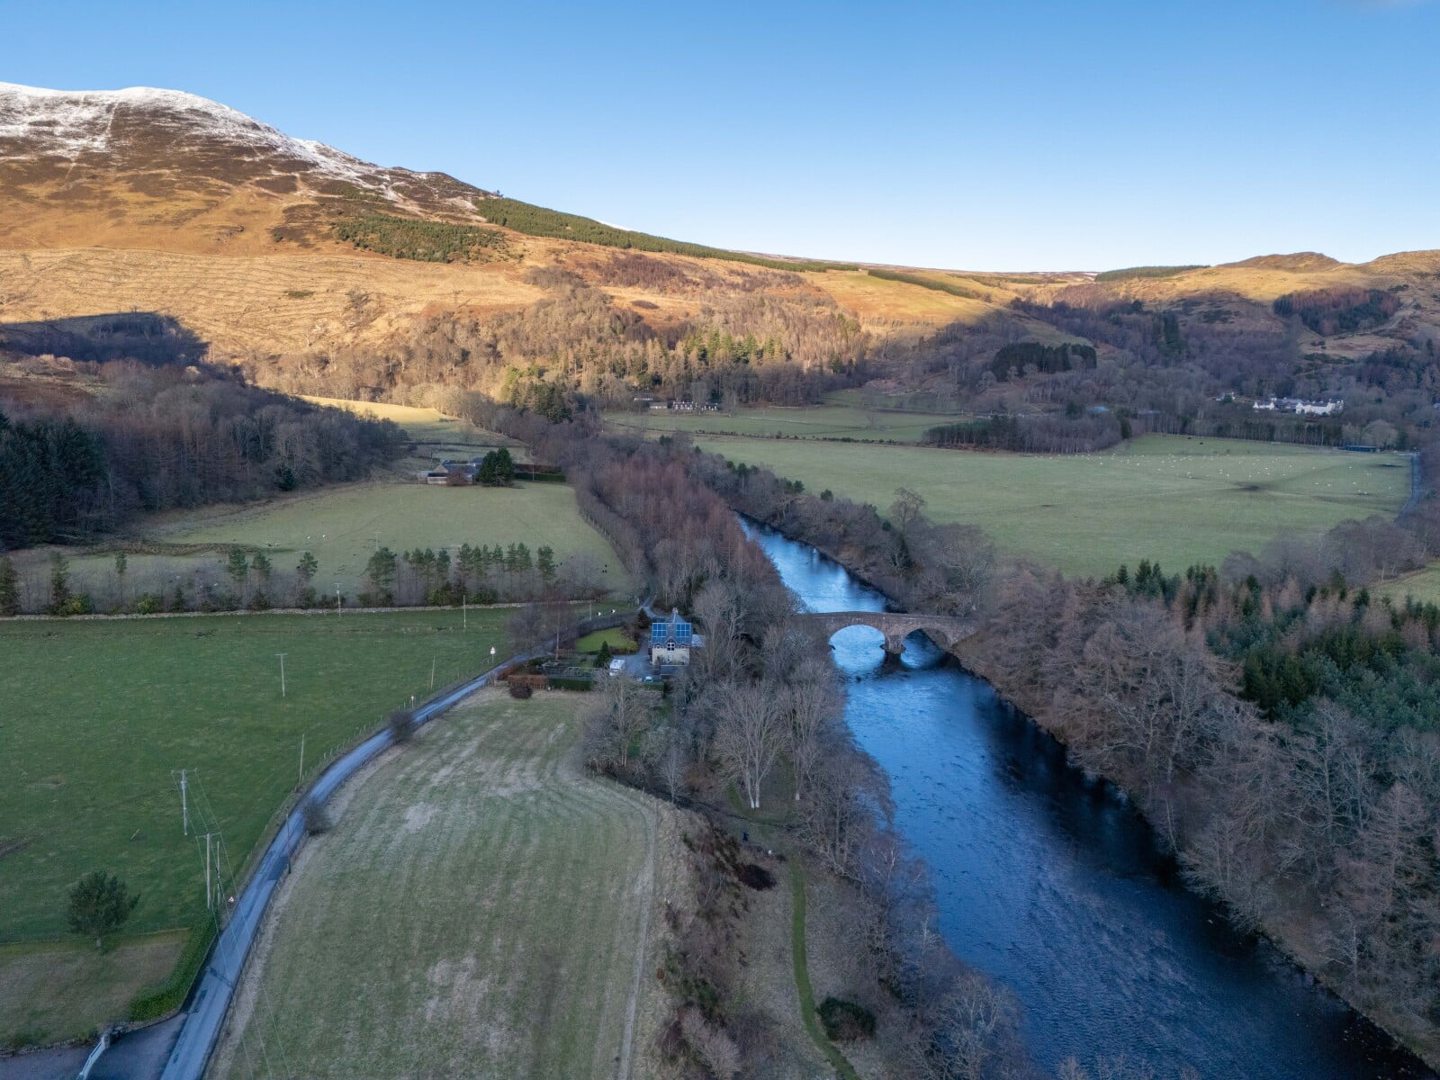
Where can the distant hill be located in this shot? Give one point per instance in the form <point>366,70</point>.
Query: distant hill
<point>319,272</point>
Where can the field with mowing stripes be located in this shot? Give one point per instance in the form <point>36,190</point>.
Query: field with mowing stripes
<point>1173,499</point>
<point>481,908</point>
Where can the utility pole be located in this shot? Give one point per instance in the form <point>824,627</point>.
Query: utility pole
<point>432,673</point>
<point>184,804</point>
<point>301,778</point>
<point>337,598</point>
<point>209,895</point>
<point>464,613</point>
<point>281,655</point>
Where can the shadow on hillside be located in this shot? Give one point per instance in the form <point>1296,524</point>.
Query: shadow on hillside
<point>146,336</point>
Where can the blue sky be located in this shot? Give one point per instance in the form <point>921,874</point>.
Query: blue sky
<point>1011,134</point>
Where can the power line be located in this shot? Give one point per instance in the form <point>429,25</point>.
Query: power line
<point>184,802</point>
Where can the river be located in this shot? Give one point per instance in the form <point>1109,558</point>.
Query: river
<point>1053,885</point>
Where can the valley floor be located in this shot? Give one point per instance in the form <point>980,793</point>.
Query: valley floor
<point>1172,499</point>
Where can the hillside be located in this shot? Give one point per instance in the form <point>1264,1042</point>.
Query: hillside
<point>263,244</point>
<point>320,273</point>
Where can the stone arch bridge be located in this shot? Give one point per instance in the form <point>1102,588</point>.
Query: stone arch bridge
<point>946,631</point>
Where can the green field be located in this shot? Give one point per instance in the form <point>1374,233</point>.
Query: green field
<point>342,526</point>
<point>1173,499</point>
<point>616,638</point>
<point>480,909</point>
<point>436,432</point>
<point>1423,586</point>
<point>97,716</point>
<point>51,991</point>
<point>811,422</point>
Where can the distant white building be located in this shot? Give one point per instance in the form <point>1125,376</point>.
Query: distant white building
<point>1300,407</point>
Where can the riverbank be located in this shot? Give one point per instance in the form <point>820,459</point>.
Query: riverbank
<point>1287,934</point>
<point>1077,804</point>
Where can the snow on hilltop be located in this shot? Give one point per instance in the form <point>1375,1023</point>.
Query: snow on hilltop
<point>35,122</point>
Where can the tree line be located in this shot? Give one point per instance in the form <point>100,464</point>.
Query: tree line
<point>1338,311</point>
<point>539,221</point>
<point>477,574</point>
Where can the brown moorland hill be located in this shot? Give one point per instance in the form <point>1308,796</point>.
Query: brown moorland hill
<point>281,253</point>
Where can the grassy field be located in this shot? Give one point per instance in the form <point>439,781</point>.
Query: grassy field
<point>97,717</point>
<point>1423,585</point>
<point>425,425</point>
<point>616,638</point>
<point>51,991</point>
<point>342,526</point>
<point>1168,498</point>
<point>480,909</point>
<point>436,432</point>
<point>834,421</point>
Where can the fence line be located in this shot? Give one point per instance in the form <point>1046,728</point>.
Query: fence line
<point>208,1003</point>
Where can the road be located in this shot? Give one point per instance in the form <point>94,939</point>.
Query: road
<point>199,1025</point>
<point>211,1000</point>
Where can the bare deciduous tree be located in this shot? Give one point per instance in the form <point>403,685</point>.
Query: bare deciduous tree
<point>812,704</point>
<point>749,734</point>
<point>612,729</point>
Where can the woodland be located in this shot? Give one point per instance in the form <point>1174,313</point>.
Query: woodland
<point>162,437</point>
<point>1121,367</point>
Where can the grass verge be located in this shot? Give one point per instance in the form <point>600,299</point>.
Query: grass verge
<point>802,980</point>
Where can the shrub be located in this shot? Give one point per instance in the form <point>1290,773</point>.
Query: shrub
<point>171,994</point>
<point>520,691</point>
<point>846,1021</point>
<point>755,876</point>
<point>77,605</point>
<point>568,682</point>
<point>315,816</point>
<point>401,723</point>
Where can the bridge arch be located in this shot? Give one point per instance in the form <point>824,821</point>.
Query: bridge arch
<point>946,631</point>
